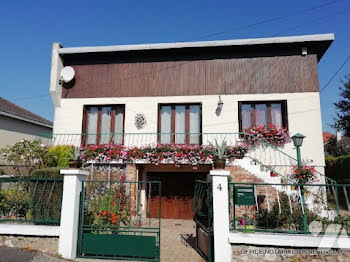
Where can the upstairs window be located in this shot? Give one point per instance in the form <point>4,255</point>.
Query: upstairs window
<point>260,113</point>
<point>103,124</point>
<point>179,119</point>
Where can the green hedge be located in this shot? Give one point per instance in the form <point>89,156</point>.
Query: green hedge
<point>50,172</point>
<point>338,167</point>
<point>46,196</point>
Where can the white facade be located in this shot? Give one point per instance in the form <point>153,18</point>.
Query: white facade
<point>304,116</point>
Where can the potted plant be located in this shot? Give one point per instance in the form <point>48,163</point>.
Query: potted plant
<point>303,175</point>
<point>219,160</point>
<point>273,174</point>
<point>75,161</point>
<point>249,224</point>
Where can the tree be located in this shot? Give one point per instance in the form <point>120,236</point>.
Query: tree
<point>342,120</point>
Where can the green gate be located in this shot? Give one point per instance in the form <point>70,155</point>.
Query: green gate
<point>202,206</point>
<point>115,221</point>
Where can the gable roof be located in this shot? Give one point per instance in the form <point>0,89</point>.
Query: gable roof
<point>11,110</point>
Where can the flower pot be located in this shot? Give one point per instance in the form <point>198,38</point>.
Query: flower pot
<point>219,163</point>
<point>75,164</point>
<point>249,228</point>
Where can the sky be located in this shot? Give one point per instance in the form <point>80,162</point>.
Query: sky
<point>28,29</point>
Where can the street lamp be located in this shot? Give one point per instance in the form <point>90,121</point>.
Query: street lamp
<point>298,141</point>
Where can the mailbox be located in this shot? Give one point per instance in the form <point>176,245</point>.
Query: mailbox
<point>244,195</point>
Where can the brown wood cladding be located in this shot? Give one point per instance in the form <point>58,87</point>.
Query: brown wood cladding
<point>274,74</point>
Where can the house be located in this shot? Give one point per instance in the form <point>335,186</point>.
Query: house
<point>17,123</point>
<point>336,145</point>
<point>327,137</point>
<point>193,93</point>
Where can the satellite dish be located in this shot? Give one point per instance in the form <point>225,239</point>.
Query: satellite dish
<point>67,74</point>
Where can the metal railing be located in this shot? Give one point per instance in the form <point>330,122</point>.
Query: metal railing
<point>290,208</point>
<point>30,200</point>
<point>267,157</point>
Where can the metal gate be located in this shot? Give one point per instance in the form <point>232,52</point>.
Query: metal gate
<point>115,222</point>
<point>202,206</point>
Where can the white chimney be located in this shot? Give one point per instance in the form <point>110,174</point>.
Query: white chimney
<point>338,135</point>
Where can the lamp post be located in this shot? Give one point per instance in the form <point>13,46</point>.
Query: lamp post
<point>298,142</point>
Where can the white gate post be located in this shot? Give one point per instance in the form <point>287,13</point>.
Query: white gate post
<point>72,185</point>
<point>222,247</point>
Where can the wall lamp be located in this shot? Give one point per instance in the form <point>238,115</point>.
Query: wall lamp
<point>220,103</point>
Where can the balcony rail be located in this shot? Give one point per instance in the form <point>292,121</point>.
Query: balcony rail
<point>290,208</point>
<point>30,200</point>
<point>265,156</point>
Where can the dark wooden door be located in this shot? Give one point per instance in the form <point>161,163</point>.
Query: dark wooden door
<point>176,196</point>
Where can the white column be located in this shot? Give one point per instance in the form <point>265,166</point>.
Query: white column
<point>222,247</point>
<point>72,186</point>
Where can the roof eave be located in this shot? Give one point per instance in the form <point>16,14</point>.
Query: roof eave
<point>32,121</point>
<point>324,39</point>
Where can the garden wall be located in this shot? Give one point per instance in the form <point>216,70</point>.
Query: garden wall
<point>30,243</point>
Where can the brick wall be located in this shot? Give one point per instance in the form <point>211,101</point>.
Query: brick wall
<point>132,176</point>
<point>239,174</point>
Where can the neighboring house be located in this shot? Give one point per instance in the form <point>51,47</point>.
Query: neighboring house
<point>327,137</point>
<point>336,145</point>
<point>17,123</point>
<point>195,87</point>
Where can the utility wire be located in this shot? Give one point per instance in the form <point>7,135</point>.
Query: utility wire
<point>269,20</point>
<point>239,28</point>
<point>331,79</point>
<point>30,97</point>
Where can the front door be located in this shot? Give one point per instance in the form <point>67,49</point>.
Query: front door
<point>176,196</point>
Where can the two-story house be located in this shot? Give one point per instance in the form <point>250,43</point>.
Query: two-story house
<point>191,93</point>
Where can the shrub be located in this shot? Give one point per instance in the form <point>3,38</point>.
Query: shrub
<point>338,148</point>
<point>59,155</point>
<point>26,156</point>
<point>338,167</point>
<point>280,220</point>
<point>49,172</point>
<point>14,203</point>
<point>46,196</point>
<point>111,207</point>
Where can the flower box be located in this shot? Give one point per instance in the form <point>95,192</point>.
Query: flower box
<point>270,134</point>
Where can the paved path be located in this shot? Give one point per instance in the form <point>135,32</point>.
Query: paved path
<point>177,241</point>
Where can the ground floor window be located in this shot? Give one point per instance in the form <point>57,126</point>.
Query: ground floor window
<point>258,113</point>
<point>103,124</point>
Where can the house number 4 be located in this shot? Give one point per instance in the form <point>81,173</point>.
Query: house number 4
<point>219,187</point>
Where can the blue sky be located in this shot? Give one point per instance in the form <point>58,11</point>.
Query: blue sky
<point>28,29</point>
